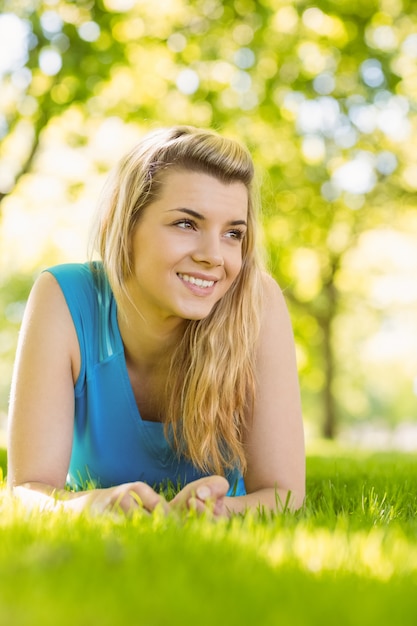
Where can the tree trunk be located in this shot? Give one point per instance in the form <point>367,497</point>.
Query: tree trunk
<point>329,417</point>
<point>329,402</point>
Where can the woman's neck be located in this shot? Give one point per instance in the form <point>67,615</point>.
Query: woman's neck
<point>148,342</point>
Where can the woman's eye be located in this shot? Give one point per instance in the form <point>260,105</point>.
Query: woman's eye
<point>236,233</point>
<point>185,224</point>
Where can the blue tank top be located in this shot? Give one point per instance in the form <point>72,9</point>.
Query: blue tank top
<point>112,444</point>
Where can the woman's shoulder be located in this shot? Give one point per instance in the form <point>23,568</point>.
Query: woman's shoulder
<point>76,279</point>
<point>271,290</point>
<point>90,301</point>
<point>84,285</point>
<point>275,312</point>
<point>76,272</point>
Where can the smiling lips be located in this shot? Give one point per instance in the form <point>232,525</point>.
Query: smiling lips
<point>198,282</point>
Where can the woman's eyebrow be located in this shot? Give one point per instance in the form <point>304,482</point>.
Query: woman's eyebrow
<point>198,216</point>
<point>189,212</point>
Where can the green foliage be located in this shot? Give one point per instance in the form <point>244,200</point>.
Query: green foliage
<point>3,462</point>
<point>312,90</point>
<point>354,539</point>
<point>14,291</point>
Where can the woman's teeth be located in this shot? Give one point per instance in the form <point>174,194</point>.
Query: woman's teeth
<point>196,281</point>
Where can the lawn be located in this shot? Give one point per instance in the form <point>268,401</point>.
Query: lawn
<point>350,557</point>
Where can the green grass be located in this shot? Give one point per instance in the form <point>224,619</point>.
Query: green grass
<point>350,557</point>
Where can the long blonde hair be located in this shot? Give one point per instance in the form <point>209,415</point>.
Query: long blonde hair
<point>211,383</point>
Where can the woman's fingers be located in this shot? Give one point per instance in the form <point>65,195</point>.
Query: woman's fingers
<point>205,494</point>
<point>127,498</point>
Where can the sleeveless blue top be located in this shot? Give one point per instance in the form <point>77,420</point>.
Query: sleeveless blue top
<point>112,444</point>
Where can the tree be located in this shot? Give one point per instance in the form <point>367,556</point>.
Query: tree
<point>324,96</point>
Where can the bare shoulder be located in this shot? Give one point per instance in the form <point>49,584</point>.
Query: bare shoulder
<point>273,297</point>
<point>276,332</point>
<point>46,285</point>
<point>47,306</point>
<point>47,301</point>
<point>47,318</point>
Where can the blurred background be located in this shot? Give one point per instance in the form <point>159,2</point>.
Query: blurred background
<point>324,95</point>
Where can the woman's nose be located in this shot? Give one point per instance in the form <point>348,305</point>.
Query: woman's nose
<point>209,251</point>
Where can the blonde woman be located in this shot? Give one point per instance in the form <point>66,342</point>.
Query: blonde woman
<point>169,360</point>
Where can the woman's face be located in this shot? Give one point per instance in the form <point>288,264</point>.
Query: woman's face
<point>187,246</point>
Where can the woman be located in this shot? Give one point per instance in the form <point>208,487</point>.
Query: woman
<point>171,359</point>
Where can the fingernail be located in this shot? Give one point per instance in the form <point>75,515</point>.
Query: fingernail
<point>203,492</point>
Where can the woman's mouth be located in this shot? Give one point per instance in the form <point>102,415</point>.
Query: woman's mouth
<point>198,282</point>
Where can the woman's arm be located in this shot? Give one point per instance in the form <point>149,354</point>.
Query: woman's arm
<point>41,410</point>
<point>274,440</point>
<point>41,416</point>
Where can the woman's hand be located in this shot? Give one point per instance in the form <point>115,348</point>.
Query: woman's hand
<point>205,495</point>
<point>125,498</point>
